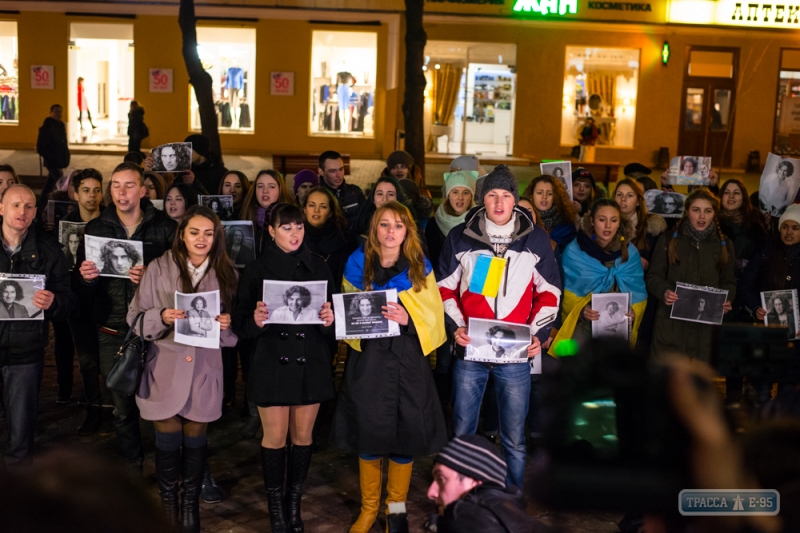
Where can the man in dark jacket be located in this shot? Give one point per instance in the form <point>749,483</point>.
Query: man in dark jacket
<point>52,142</point>
<point>133,218</point>
<point>206,166</point>
<point>470,490</point>
<point>350,197</point>
<point>28,250</point>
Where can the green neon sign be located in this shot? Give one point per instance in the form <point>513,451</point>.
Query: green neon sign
<point>665,53</point>
<point>546,7</point>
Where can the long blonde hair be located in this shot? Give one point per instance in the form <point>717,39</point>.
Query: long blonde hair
<point>700,194</point>
<point>412,248</point>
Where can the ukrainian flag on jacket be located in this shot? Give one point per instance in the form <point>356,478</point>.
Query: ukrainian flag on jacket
<point>585,274</point>
<point>424,307</point>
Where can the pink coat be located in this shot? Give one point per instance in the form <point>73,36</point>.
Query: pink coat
<point>177,379</point>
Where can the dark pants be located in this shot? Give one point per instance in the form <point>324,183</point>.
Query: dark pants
<point>21,398</point>
<point>126,413</point>
<point>80,118</point>
<point>230,371</point>
<point>64,350</point>
<point>84,335</point>
<point>135,143</point>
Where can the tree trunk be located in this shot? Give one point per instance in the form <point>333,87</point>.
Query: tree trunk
<point>199,78</point>
<point>414,97</point>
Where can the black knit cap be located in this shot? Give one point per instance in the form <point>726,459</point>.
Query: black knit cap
<point>475,457</point>
<point>500,178</point>
<point>636,170</point>
<point>399,158</point>
<point>583,173</point>
<point>200,144</point>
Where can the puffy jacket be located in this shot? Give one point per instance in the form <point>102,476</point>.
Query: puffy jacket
<point>350,198</point>
<point>111,296</point>
<point>530,288</point>
<point>769,269</point>
<point>487,509</point>
<point>23,342</point>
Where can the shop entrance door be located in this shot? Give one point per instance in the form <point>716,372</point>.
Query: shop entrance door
<point>709,92</point>
<point>101,54</point>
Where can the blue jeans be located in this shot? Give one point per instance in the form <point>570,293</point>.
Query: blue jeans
<point>513,384</point>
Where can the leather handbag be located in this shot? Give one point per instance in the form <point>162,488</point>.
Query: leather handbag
<point>129,361</point>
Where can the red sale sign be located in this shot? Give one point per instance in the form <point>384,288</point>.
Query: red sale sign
<point>281,83</point>
<point>160,80</point>
<point>42,77</point>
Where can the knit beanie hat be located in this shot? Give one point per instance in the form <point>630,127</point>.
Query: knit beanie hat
<point>500,178</point>
<point>199,144</point>
<point>399,158</point>
<point>636,170</point>
<point>460,178</point>
<point>305,176</point>
<point>582,173</point>
<point>474,456</point>
<point>465,162</point>
<point>792,213</point>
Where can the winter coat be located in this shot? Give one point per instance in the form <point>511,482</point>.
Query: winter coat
<point>209,174</point>
<point>489,509</point>
<point>769,269</point>
<point>747,240</point>
<point>387,402</point>
<point>656,225</point>
<point>697,266</point>
<point>52,144</point>
<point>333,246</point>
<point>177,379</point>
<point>350,198</point>
<point>137,129</point>
<point>23,342</point>
<point>434,238</point>
<point>111,296</point>
<point>530,287</point>
<point>291,363</point>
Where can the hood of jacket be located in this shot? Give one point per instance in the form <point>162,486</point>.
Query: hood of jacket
<point>475,225</point>
<point>656,224</point>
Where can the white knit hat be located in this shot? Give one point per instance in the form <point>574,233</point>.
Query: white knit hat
<point>792,213</point>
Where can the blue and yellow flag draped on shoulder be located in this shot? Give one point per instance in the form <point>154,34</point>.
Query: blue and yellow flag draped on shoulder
<point>585,275</point>
<point>424,307</point>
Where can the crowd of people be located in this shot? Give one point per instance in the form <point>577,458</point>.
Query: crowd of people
<point>486,252</point>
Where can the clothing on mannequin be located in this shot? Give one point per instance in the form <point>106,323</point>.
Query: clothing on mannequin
<point>343,92</point>
<point>83,105</point>
<point>234,83</point>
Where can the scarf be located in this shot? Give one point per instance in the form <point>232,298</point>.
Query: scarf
<point>590,247</point>
<point>550,218</point>
<point>446,222</point>
<point>634,220</point>
<point>735,217</point>
<point>500,236</point>
<point>698,236</point>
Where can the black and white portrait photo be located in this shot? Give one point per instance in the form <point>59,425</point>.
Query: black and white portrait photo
<point>666,204</point>
<point>221,204</point>
<point>780,181</point>
<point>56,210</point>
<point>493,341</point>
<point>239,241</point>
<point>291,302</point>
<point>698,304</point>
<point>70,235</point>
<point>16,296</point>
<point>561,170</point>
<point>689,170</point>
<point>172,157</point>
<point>781,310</point>
<point>613,321</point>
<point>359,315</point>
<point>200,327</point>
<point>114,257</point>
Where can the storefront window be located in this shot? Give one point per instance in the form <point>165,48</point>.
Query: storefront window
<point>229,56</point>
<point>787,116</point>
<point>601,83</point>
<point>9,76</point>
<point>343,70</point>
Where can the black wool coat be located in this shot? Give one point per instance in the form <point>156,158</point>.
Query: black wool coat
<point>291,363</point>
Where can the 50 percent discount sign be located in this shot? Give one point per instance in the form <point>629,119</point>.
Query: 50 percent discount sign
<point>42,77</point>
<point>281,83</point>
<point>160,80</point>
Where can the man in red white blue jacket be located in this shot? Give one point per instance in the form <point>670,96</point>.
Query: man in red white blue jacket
<point>529,292</point>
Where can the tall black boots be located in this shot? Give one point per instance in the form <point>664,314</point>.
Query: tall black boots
<point>284,512</point>
<point>194,464</point>
<point>299,461</point>
<point>168,473</point>
<point>273,464</point>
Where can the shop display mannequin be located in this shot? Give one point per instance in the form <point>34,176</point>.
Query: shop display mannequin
<point>234,82</point>
<point>343,90</point>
